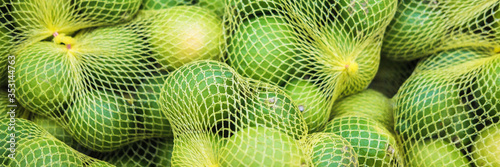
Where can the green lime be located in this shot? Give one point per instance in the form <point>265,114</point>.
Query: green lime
<point>140,153</point>
<point>14,131</point>
<point>147,107</point>
<point>183,34</point>
<point>248,9</point>
<point>217,6</point>
<point>55,129</point>
<point>486,88</point>
<point>453,57</point>
<point>111,56</point>
<point>108,11</point>
<point>261,146</point>
<point>273,109</point>
<point>199,95</point>
<point>343,62</point>
<point>164,152</point>
<point>366,16</point>
<point>5,47</point>
<point>417,28</point>
<point>263,48</point>
<point>311,102</point>
<point>38,19</point>
<point>435,152</point>
<point>101,121</point>
<point>374,144</point>
<point>329,149</point>
<point>368,102</point>
<point>427,106</point>
<point>486,148</point>
<point>45,151</point>
<point>47,77</point>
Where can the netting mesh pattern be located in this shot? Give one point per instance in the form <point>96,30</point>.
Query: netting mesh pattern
<point>448,104</point>
<point>329,149</point>
<point>317,51</point>
<point>420,28</point>
<point>34,146</point>
<point>250,83</point>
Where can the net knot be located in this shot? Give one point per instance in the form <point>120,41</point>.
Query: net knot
<point>497,49</point>
<point>62,38</point>
<point>351,67</point>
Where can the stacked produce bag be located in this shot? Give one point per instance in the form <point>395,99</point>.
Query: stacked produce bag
<point>250,83</point>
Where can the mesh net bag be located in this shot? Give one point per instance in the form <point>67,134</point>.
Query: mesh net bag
<point>96,67</point>
<point>26,144</point>
<point>421,28</point>
<point>240,78</point>
<point>449,105</point>
<point>37,20</point>
<point>218,117</point>
<point>317,51</point>
<point>369,103</point>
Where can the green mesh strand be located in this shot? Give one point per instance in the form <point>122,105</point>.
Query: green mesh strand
<point>227,79</point>
<point>34,146</point>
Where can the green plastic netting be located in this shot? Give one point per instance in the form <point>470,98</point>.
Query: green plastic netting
<point>317,51</point>
<point>447,104</point>
<point>365,120</point>
<point>369,103</point>
<point>252,82</point>
<point>329,149</point>
<point>148,152</point>
<point>27,144</point>
<point>421,28</point>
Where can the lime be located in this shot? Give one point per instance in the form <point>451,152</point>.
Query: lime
<point>55,129</point>
<point>111,56</point>
<point>163,4</point>
<point>453,57</point>
<point>201,93</point>
<point>47,78</point>
<point>435,152</point>
<point>140,153</point>
<point>262,48</point>
<point>375,145</point>
<point>45,151</point>
<point>310,101</point>
<point>427,106</point>
<point>164,152</point>
<point>485,149</point>
<point>147,107</point>
<point>109,11</point>
<point>261,146</point>
<point>182,34</point>
<point>366,16</point>
<point>370,103</point>
<point>486,89</point>
<point>329,149</point>
<point>417,28</point>
<point>101,121</point>
<point>273,109</point>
